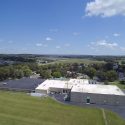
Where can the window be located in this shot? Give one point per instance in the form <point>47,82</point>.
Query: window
<point>65,91</point>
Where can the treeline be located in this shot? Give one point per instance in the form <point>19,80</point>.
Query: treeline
<point>14,71</point>
<point>25,57</point>
<point>103,71</point>
<point>18,58</point>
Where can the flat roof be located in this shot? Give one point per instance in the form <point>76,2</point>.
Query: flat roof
<point>78,81</point>
<point>81,85</point>
<point>54,84</point>
<point>98,89</point>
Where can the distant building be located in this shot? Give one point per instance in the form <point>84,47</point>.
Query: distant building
<point>121,76</point>
<point>35,75</point>
<point>115,66</point>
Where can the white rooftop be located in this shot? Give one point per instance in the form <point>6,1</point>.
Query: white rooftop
<point>54,84</point>
<point>98,89</point>
<point>80,85</point>
<point>78,81</point>
<point>62,83</point>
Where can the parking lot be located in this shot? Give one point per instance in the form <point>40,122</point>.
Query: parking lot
<point>23,84</point>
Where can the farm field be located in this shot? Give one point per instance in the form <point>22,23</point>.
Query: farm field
<point>22,109</point>
<point>73,60</point>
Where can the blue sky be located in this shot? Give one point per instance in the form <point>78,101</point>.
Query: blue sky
<point>92,27</point>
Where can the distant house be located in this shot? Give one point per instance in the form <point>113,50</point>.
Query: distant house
<point>35,75</point>
<point>82,76</point>
<point>3,62</point>
<point>115,66</point>
<point>121,76</point>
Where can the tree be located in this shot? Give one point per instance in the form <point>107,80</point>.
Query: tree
<point>90,71</point>
<point>108,66</point>
<point>4,73</point>
<point>101,75</point>
<point>56,74</point>
<point>111,75</point>
<point>122,82</point>
<point>45,74</point>
<point>18,73</point>
<point>26,70</point>
<point>33,66</point>
<point>123,62</point>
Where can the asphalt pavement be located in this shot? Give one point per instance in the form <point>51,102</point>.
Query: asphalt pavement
<point>21,84</point>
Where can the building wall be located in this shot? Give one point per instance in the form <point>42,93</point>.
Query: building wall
<point>97,98</point>
<point>41,91</point>
<point>51,89</point>
<point>58,90</point>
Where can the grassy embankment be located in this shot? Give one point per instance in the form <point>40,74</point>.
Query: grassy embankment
<point>122,86</point>
<point>22,109</point>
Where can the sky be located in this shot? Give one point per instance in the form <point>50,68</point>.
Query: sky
<point>85,27</point>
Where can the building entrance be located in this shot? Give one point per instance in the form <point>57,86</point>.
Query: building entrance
<point>88,100</point>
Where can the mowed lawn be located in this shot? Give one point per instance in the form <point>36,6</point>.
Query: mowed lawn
<point>22,109</point>
<point>122,86</point>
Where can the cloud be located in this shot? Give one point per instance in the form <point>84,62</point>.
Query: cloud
<point>48,39</point>
<point>116,34</point>
<point>103,44</point>
<point>58,47</point>
<point>105,8</point>
<point>39,44</point>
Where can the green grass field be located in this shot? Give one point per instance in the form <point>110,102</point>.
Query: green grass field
<point>73,60</point>
<point>22,109</point>
<point>118,84</point>
<point>85,61</point>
